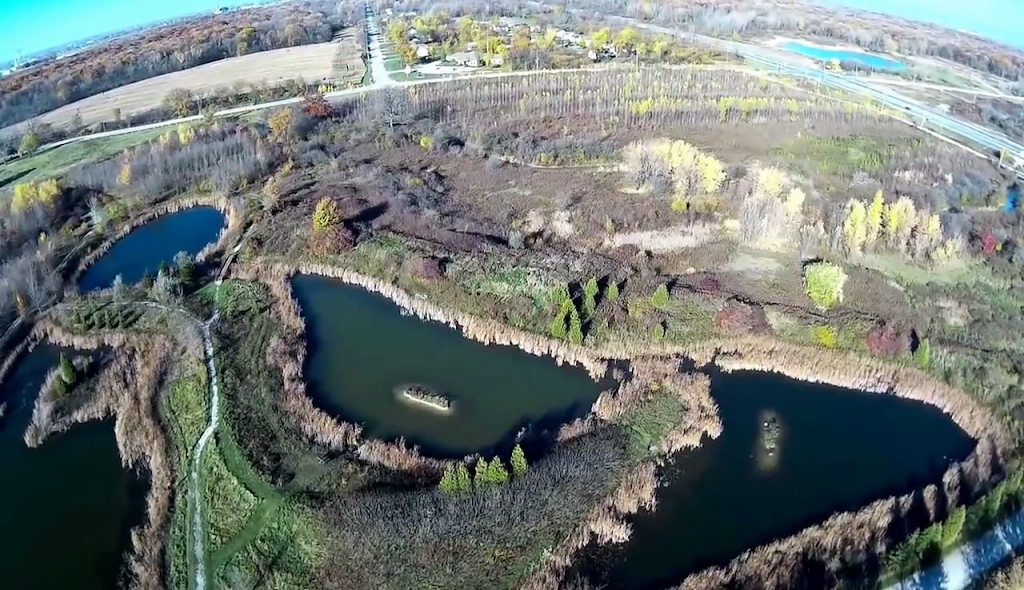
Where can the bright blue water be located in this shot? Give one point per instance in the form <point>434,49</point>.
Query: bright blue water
<point>871,60</point>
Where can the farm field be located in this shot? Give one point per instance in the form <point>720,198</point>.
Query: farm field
<point>312,63</point>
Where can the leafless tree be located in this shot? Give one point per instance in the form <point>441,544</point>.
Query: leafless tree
<point>393,106</point>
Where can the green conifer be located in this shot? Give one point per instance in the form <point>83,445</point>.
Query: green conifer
<point>67,370</point>
<point>497,472</point>
<point>575,327</point>
<point>518,461</point>
<point>590,297</point>
<point>612,292</point>
<point>481,474</point>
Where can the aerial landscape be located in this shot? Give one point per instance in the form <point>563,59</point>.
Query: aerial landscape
<point>573,294</point>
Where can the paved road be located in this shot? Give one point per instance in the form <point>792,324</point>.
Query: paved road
<point>919,113</point>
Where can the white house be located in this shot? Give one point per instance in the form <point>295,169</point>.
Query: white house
<point>422,51</point>
<point>466,58</point>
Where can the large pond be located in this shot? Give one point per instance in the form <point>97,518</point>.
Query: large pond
<point>66,506</point>
<point>871,60</point>
<point>362,348</point>
<point>143,250</point>
<point>837,449</point>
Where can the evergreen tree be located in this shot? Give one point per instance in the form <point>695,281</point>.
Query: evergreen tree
<point>518,461</point>
<point>447,483</point>
<point>660,298</point>
<point>612,292</point>
<point>558,326</point>
<point>186,267</point>
<point>461,477</point>
<point>67,370</point>
<point>147,281</point>
<point>496,472</point>
<point>589,297</point>
<point>481,474</point>
<point>575,327</point>
<point>923,354</point>
<point>953,526</point>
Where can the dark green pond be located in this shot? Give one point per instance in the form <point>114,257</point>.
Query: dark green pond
<point>361,348</point>
<point>66,506</point>
<point>146,248</point>
<point>837,450</point>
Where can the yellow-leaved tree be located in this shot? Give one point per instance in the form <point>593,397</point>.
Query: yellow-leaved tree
<point>874,219</point>
<point>855,227</point>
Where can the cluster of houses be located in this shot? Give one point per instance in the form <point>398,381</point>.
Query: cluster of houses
<point>473,55</point>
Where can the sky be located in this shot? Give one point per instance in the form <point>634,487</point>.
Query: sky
<point>1002,20</point>
<point>34,25</point>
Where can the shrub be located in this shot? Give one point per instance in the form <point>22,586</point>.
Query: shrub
<point>738,317</point>
<point>824,284</point>
<point>923,354</point>
<point>887,339</point>
<point>826,336</point>
<point>660,297</point>
<point>427,142</point>
<point>67,370</point>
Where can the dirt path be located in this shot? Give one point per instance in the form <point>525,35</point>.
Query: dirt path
<point>211,427</point>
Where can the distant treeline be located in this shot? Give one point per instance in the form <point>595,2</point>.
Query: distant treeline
<point>168,49</point>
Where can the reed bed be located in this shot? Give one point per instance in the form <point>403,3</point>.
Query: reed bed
<point>127,389</point>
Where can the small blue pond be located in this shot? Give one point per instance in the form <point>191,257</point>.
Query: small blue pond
<point>871,60</point>
<point>144,249</point>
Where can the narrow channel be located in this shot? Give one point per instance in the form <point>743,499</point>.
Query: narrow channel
<point>835,449</point>
<point>362,349</point>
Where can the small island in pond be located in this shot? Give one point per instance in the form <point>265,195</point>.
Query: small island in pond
<point>422,395</point>
<point>770,432</point>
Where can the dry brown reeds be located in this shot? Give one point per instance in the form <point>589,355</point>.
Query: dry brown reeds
<point>288,353</point>
<point>854,371</point>
<point>127,389</point>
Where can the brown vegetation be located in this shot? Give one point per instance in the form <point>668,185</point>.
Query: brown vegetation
<point>127,389</point>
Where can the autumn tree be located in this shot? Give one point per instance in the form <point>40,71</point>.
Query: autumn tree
<point>29,143</point>
<point>496,472</point>
<point>855,230</point>
<point>280,123</point>
<point>181,102</point>
<point>481,473</point>
<point>327,213</point>
<point>518,461</point>
<point>317,106</point>
<point>874,220</point>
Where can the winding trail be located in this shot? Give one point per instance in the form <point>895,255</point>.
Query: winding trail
<point>204,439</point>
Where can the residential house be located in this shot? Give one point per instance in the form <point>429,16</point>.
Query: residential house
<point>422,51</point>
<point>466,58</point>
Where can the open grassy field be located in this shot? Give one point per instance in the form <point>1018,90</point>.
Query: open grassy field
<point>338,62</point>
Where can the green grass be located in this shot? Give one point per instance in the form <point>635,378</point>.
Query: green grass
<point>235,296</point>
<point>845,156</point>
<point>649,423</point>
<point>184,411</point>
<point>908,272</point>
<point>227,504</point>
<point>53,163</point>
